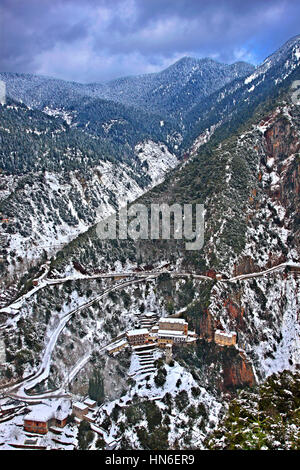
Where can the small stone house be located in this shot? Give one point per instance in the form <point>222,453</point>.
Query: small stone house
<point>42,417</point>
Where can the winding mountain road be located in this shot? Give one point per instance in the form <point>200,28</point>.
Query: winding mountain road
<point>20,389</point>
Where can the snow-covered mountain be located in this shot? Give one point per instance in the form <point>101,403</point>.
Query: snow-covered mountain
<point>96,152</point>
<point>57,181</point>
<point>171,92</point>
<point>238,100</point>
<point>241,148</point>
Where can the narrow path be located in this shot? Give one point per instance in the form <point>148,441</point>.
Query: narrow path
<point>263,273</point>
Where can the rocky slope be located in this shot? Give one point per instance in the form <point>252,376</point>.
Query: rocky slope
<point>57,181</point>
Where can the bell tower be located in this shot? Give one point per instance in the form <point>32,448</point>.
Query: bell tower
<point>169,354</point>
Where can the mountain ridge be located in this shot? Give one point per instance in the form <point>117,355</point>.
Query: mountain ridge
<point>183,59</point>
<point>133,89</point>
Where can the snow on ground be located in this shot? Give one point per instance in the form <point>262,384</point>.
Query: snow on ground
<point>50,230</point>
<point>178,379</point>
<point>158,159</point>
<point>287,352</point>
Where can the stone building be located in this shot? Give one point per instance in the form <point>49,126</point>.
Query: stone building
<point>42,417</point>
<point>84,411</point>
<point>139,336</point>
<point>165,337</point>
<point>225,339</point>
<point>173,324</point>
<point>80,410</point>
<point>39,420</point>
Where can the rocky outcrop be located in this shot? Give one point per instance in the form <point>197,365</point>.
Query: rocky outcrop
<point>281,140</point>
<point>237,374</point>
<point>245,266</point>
<point>204,325</point>
<point>235,312</point>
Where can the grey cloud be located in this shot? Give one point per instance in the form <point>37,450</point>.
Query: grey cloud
<point>90,40</point>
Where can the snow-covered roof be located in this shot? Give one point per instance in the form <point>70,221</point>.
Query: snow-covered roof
<point>41,413</point>
<point>173,320</point>
<point>62,414</point>
<point>117,344</point>
<point>226,334</point>
<point>79,405</point>
<point>90,402</point>
<point>141,331</point>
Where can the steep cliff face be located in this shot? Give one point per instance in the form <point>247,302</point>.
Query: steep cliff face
<point>235,369</point>
<point>281,138</point>
<point>273,198</point>
<point>222,369</point>
<point>238,375</point>
<point>205,325</point>
<point>282,150</point>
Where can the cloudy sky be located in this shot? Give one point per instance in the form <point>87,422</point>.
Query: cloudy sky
<point>98,40</point>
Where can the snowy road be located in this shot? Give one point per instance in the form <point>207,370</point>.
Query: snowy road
<point>42,373</point>
<point>263,273</point>
<point>44,369</point>
<point>44,282</point>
